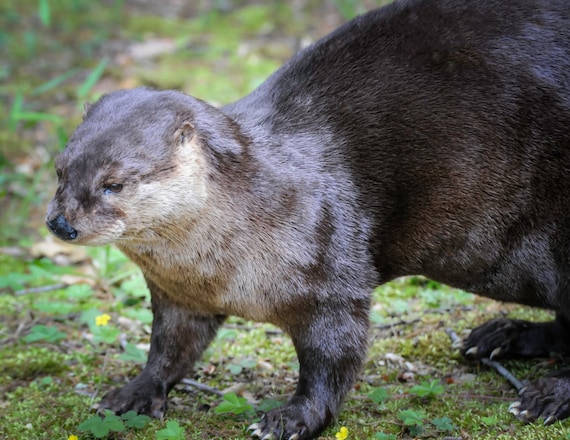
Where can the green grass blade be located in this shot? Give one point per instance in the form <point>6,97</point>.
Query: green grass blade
<point>44,12</point>
<point>92,79</point>
<point>15,110</point>
<point>55,82</point>
<point>37,117</point>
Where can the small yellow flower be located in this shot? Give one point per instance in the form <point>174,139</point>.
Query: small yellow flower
<point>102,320</point>
<point>72,437</point>
<point>342,434</point>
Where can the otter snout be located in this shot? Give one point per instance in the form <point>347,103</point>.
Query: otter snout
<point>61,229</point>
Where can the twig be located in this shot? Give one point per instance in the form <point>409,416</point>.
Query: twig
<point>504,372</point>
<point>202,387</point>
<point>395,324</point>
<point>456,341</point>
<point>41,289</point>
<point>439,311</point>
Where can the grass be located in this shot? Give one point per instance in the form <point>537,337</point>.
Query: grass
<point>50,386</point>
<point>55,362</point>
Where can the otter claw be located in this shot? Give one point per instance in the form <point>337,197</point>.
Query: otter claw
<point>257,433</point>
<point>495,352</point>
<point>294,437</point>
<point>523,415</point>
<point>472,351</point>
<point>269,436</point>
<point>549,420</point>
<point>253,427</point>
<point>514,408</point>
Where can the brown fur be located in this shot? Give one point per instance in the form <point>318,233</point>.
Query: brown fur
<point>427,137</point>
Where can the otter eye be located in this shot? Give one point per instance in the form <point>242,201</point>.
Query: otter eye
<point>112,188</point>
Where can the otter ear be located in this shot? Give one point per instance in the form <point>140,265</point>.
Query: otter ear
<point>184,133</point>
<point>86,107</point>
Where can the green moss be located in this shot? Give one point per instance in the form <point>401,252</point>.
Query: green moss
<point>28,363</point>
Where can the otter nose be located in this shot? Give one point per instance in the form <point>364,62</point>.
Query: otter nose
<point>59,227</point>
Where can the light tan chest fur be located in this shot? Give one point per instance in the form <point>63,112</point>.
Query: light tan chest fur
<point>228,269</point>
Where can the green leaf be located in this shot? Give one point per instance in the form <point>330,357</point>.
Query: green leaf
<point>88,317</point>
<point>233,404</point>
<point>92,79</point>
<point>238,367</point>
<point>133,354</point>
<point>45,381</point>
<point>376,318</point>
<point>235,369</point>
<point>114,423</point>
<point>443,424</point>
<point>415,430</point>
<point>15,281</point>
<point>53,307</point>
<point>248,363</point>
<point>40,272</point>
<point>134,420</point>
<point>95,426</point>
<point>267,405</point>
<point>173,431</point>
<point>78,292</point>
<point>106,334</point>
<point>44,333</point>
<point>379,395</point>
<point>411,418</point>
<point>226,333</point>
<point>142,315</point>
<point>136,286</point>
<point>100,427</point>
<point>428,389</point>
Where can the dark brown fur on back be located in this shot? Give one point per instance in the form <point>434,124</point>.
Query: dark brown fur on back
<point>427,137</point>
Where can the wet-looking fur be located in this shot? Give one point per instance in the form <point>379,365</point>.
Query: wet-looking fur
<point>427,137</point>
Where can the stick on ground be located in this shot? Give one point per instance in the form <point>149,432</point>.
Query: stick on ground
<point>201,387</point>
<point>517,384</point>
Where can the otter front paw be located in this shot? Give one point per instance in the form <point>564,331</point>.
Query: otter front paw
<point>140,395</point>
<point>289,422</point>
<point>547,398</point>
<point>498,338</point>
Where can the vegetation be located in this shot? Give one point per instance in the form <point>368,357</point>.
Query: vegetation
<point>75,322</point>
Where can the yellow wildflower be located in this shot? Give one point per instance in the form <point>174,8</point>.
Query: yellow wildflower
<point>102,320</point>
<point>72,437</point>
<point>342,434</point>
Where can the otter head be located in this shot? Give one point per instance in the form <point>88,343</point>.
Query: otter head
<point>138,163</point>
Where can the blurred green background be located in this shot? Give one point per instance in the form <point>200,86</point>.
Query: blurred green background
<point>57,54</point>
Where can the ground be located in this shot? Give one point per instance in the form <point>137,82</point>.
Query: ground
<point>55,361</point>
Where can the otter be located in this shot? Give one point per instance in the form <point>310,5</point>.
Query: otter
<point>426,137</point>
